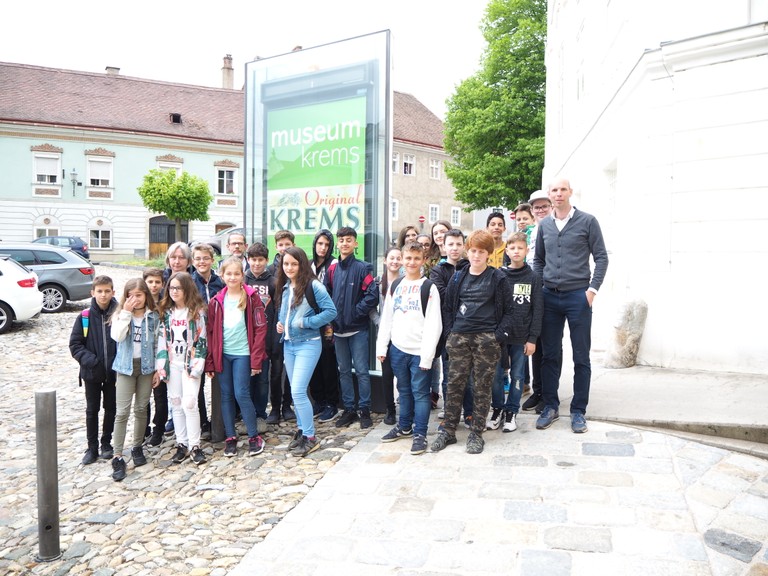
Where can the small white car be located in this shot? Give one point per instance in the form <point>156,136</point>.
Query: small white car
<point>20,299</point>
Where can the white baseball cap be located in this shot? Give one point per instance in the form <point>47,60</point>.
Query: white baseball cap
<point>538,195</point>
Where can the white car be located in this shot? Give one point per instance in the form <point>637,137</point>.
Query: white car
<point>19,297</point>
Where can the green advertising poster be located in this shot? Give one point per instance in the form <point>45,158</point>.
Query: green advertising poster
<point>315,159</point>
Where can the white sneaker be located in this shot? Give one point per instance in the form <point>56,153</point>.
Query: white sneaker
<point>494,420</point>
<point>510,425</point>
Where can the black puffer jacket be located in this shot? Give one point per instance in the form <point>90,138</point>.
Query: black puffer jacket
<point>96,351</point>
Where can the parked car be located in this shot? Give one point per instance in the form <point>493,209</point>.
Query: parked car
<point>71,242</point>
<point>20,299</point>
<point>218,240</point>
<point>61,274</point>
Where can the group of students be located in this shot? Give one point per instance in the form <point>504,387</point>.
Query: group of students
<point>462,312</point>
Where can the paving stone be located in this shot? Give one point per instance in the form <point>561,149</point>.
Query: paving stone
<point>545,563</point>
<point>534,512</point>
<point>578,538</point>
<point>731,544</point>
<point>76,550</point>
<point>593,449</point>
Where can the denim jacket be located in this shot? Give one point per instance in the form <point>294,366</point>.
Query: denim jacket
<point>122,327</point>
<point>302,322</point>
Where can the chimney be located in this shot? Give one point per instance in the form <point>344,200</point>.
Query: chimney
<point>113,70</point>
<point>228,73</point>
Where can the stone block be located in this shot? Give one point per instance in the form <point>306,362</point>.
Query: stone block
<point>732,544</point>
<point>578,538</point>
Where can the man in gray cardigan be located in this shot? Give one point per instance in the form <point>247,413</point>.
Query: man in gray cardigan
<point>564,244</point>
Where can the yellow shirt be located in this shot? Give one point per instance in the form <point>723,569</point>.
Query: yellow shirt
<point>496,259</point>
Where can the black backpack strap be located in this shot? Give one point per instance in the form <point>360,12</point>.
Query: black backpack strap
<point>309,294</point>
<point>394,285</point>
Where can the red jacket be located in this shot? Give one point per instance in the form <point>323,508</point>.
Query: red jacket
<point>255,325</point>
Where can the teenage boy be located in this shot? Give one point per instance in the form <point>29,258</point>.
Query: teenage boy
<point>414,332</point>
<point>528,311</point>
<point>441,275</point>
<point>208,285</point>
<point>477,322</point>
<point>564,245</point>
<point>324,385</point>
<point>91,344</point>
<point>496,226</point>
<point>153,278</point>
<point>258,277</point>
<point>279,386</point>
<point>354,291</point>
<point>284,239</point>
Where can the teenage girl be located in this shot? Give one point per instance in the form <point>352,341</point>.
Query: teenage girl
<point>181,351</point>
<point>134,327</point>
<point>237,330</point>
<point>437,253</point>
<point>393,262</point>
<point>300,324</point>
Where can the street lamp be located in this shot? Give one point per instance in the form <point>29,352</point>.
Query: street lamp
<point>73,178</point>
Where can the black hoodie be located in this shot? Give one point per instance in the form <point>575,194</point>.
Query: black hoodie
<point>264,284</point>
<point>96,351</point>
<point>321,269</point>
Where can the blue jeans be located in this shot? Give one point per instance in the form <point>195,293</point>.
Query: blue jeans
<point>413,387</point>
<point>353,350</point>
<point>260,390</point>
<point>517,362</point>
<point>300,361</point>
<point>559,307</point>
<point>235,382</point>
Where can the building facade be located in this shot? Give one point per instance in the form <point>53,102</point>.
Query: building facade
<point>75,146</point>
<point>660,123</point>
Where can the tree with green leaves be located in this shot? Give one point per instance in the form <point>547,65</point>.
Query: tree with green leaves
<point>494,126</point>
<point>184,197</point>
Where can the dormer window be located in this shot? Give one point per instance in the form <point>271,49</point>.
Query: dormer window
<point>175,118</point>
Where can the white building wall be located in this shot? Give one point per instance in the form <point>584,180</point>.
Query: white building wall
<point>671,159</point>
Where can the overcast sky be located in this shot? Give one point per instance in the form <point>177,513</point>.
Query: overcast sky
<point>435,43</point>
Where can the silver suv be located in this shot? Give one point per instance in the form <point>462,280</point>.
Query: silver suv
<point>62,274</point>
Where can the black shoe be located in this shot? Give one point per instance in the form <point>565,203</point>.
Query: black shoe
<point>118,469</point>
<point>91,455</point>
<point>296,440</point>
<point>328,414</point>
<point>346,418</point>
<point>107,453</point>
<point>390,418</point>
<point>197,455</point>
<point>181,454</point>
<point>156,439</point>
<point>531,403</point>
<point>274,416</point>
<point>288,414</point>
<point>205,431</point>
<point>365,418</point>
<point>539,407</point>
<point>138,456</point>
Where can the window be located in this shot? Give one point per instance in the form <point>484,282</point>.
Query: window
<point>100,172</point>
<point>395,210</point>
<point>40,232</point>
<point>455,216</point>
<point>395,162</point>
<point>409,164</point>
<point>434,213</point>
<point>435,166</point>
<point>47,168</point>
<point>47,257</point>
<point>175,166</point>
<point>226,181</point>
<point>100,239</point>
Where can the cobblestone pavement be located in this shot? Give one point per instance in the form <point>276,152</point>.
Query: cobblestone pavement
<point>162,519</point>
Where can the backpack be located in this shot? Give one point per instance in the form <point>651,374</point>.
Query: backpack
<point>84,321</point>
<point>326,332</point>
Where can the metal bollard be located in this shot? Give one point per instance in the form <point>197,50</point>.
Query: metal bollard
<point>47,476</point>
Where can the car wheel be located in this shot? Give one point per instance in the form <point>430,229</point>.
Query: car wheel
<point>53,298</point>
<point>6,318</point>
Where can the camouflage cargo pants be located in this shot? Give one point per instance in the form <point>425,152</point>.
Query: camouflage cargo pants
<point>467,352</point>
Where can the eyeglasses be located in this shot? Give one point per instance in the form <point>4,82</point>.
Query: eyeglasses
<point>237,243</point>
<point>203,259</point>
<point>175,289</point>
<point>541,207</point>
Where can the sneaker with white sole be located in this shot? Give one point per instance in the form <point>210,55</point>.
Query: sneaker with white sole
<point>475,443</point>
<point>197,455</point>
<point>419,445</point>
<point>255,445</point>
<point>510,422</point>
<point>181,454</point>
<point>396,434</point>
<point>494,420</point>
<point>230,447</point>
